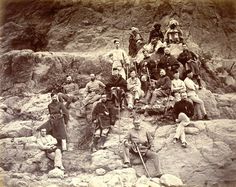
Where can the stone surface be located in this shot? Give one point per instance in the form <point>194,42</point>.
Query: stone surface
<point>170,180</point>
<point>56,173</point>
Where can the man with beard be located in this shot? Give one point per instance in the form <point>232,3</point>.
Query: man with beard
<point>117,86</point>
<point>134,89</point>
<point>190,62</point>
<point>120,59</point>
<point>174,34</point>
<point>101,117</point>
<point>135,42</point>
<point>139,136</point>
<point>92,90</point>
<point>70,89</point>
<point>59,116</point>
<point>156,35</point>
<point>162,88</point>
<point>168,62</point>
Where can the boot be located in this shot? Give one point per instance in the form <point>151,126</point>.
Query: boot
<point>95,144</point>
<point>103,140</point>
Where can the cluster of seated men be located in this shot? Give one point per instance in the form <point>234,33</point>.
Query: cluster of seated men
<point>157,75</point>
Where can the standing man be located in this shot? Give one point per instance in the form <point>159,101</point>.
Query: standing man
<point>59,116</point>
<point>101,116</point>
<point>92,90</point>
<point>120,58</point>
<point>134,89</point>
<point>49,144</point>
<point>191,91</point>
<point>144,140</point>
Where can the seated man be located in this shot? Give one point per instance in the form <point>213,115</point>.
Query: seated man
<point>48,144</point>
<point>134,89</point>
<point>92,90</point>
<point>183,121</point>
<point>70,89</point>
<point>183,106</point>
<point>138,136</point>
<point>102,120</point>
<point>169,63</point>
<point>116,86</point>
<point>174,34</point>
<point>177,85</point>
<point>190,62</point>
<point>191,91</point>
<point>156,34</point>
<point>162,88</point>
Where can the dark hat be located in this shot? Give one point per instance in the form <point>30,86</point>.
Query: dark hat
<point>157,25</point>
<point>115,69</point>
<point>188,71</point>
<point>116,40</point>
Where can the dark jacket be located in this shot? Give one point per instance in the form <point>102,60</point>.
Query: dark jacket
<point>184,57</point>
<point>133,45</point>
<point>183,106</point>
<point>151,65</point>
<point>168,61</point>
<point>117,81</point>
<point>155,34</point>
<point>164,83</point>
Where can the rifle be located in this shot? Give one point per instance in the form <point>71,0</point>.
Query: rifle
<point>124,66</point>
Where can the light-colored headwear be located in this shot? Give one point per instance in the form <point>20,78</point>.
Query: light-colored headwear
<point>134,29</point>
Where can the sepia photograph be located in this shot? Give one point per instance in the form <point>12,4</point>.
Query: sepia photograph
<point>117,93</point>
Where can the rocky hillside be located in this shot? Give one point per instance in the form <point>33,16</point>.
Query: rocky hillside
<point>43,41</point>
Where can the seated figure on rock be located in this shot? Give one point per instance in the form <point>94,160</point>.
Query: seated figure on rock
<point>192,93</point>
<point>93,91</point>
<point>135,42</point>
<point>69,92</point>
<point>161,89</point>
<point>173,34</point>
<point>101,117</point>
<point>134,89</point>
<point>141,138</point>
<point>177,85</point>
<point>185,106</point>
<point>155,35</point>
<point>48,144</point>
<point>116,87</point>
<point>190,62</point>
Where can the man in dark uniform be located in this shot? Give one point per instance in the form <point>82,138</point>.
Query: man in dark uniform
<point>117,86</point>
<point>101,116</point>
<point>139,136</point>
<point>156,35</point>
<point>59,116</point>
<point>135,42</point>
<point>184,105</point>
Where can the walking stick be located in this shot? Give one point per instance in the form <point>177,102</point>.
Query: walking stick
<point>144,165</point>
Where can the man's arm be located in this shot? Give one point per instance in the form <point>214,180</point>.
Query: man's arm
<point>65,113</point>
<point>189,84</point>
<point>101,84</point>
<point>150,139</point>
<point>41,145</point>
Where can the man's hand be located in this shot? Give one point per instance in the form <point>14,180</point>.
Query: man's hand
<point>127,144</point>
<point>107,113</point>
<point>95,121</point>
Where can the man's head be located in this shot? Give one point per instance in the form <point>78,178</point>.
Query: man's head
<point>136,123</point>
<point>157,26</point>
<point>162,72</point>
<point>184,95</point>
<point>145,53</point>
<point>104,98</point>
<point>43,132</point>
<point>117,43</point>
<point>167,51</point>
<point>132,73</point>
<point>185,48</point>
<point>176,75</point>
<point>54,97</point>
<point>189,73</point>
<point>68,79</point>
<point>92,77</point>
<point>115,71</point>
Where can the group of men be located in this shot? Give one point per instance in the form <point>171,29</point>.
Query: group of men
<point>151,79</point>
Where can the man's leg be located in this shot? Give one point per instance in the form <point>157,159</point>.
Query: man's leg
<point>58,159</point>
<point>179,130</point>
<point>155,94</point>
<point>104,137</point>
<point>95,98</point>
<point>126,155</point>
<point>130,100</point>
<point>196,99</point>
<point>154,157</point>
